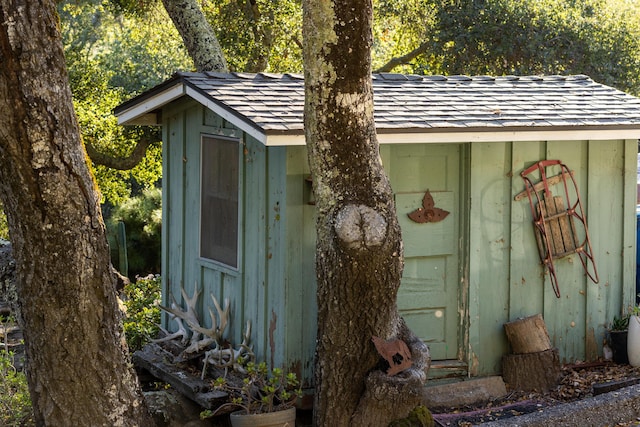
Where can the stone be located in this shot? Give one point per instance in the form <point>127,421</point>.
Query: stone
<point>170,409</point>
<point>463,393</point>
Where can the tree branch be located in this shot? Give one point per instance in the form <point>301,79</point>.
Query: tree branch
<point>119,163</point>
<point>394,62</point>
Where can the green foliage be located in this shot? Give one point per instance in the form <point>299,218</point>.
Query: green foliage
<point>594,37</point>
<point>15,401</point>
<point>399,27</point>
<point>420,416</point>
<point>142,317</point>
<point>262,35</point>
<point>142,216</point>
<point>111,57</point>
<point>620,323</point>
<point>4,226</point>
<point>261,390</point>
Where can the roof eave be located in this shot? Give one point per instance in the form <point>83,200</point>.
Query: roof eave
<point>145,111</point>
<point>457,135</point>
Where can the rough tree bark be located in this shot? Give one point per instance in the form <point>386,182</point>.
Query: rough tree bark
<point>359,256</point>
<point>197,34</point>
<point>78,370</point>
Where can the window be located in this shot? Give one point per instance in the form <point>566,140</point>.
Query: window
<point>219,200</point>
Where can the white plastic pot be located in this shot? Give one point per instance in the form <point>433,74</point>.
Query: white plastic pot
<point>633,341</point>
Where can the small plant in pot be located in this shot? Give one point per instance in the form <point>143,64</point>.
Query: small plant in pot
<point>618,338</point>
<point>265,398</point>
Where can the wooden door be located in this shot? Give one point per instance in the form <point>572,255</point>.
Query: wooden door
<point>428,298</point>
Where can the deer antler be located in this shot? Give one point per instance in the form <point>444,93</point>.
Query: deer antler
<point>181,332</point>
<point>216,332</point>
<point>228,357</point>
<point>188,315</point>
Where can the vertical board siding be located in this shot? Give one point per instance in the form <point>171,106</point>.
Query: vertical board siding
<point>274,286</point>
<point>605,203</point>
<point>277,217</point>
<point>192,278</point>
<point>300,289</point>
<point>604,171</point>
<point>254,234</point>
<point>629,223</point>
<point>489,256</point>
<point>526,274</point>
<point>172,201</point>
<point>565,316</point>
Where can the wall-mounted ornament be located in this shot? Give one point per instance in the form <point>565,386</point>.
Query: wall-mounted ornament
<point>428,212</point>
<point>395,352</point>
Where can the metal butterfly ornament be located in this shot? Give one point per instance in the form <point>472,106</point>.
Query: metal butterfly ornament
<point>428,212</point>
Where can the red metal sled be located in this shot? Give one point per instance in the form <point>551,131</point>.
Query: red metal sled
<point>555,226</point>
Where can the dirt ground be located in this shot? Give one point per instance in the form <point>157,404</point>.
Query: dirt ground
<point>576,382</point>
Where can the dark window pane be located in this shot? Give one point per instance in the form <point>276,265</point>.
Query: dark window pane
<point>219,201</point>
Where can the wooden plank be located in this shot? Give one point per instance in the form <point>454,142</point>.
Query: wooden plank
<point>554,232</point>
<point>172,213</point>
<point>566,316</point>
<point>567,231</point>
<point>441,369</point>
<point>276,302</point>
<point>614,385</point>
<point>255,249</point>
<point>610,207</point>
<point>526,281</point>
<point>489,256</point>
<point>154,359</point>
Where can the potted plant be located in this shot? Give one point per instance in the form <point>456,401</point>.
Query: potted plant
<point>618,338</point>
<point>633,340</point>
<point>265,398</point>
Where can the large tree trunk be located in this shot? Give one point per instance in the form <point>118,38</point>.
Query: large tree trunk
<point>359,249</point>
<point>198,36</point>
<point>78,368</point>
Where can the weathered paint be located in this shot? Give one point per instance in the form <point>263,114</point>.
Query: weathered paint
<point>500,277</point>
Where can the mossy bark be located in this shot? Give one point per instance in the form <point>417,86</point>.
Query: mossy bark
<point>78,368</point>
<point>359,248</point>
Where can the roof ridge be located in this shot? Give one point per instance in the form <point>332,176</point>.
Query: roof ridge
<point>390,77</point>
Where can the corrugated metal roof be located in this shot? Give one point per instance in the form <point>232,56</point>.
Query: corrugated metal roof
<point>274,103</point>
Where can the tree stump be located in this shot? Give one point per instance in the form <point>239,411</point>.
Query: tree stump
<point>534,364</point>
<point>528,335</point>
<point>531,371</point>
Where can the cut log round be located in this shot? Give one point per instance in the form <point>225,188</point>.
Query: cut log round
<point>528,335</point>
<point>531,371</point>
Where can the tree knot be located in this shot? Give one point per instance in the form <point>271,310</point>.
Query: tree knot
<point>359,226</point>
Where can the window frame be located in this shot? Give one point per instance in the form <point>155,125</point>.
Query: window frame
<point>206,139</point>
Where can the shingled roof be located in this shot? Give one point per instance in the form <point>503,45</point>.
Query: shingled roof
<point>411,108</point>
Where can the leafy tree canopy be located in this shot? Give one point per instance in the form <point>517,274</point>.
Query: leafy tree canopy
<point>598,38</point>
<point>112,56</point>
<point>117,48</point>
<point>261,35</point>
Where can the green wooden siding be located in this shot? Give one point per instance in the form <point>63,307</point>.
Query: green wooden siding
<point>506,280</point>
<point>273,286</point>
<point>499,277</point>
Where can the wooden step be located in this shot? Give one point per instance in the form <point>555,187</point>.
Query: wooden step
<point>441,369</point>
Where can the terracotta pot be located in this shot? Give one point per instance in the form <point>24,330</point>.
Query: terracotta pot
<point>633,341</point>
<point>286,417</point>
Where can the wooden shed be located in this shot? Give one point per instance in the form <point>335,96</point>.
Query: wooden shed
<point>238,214</point>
